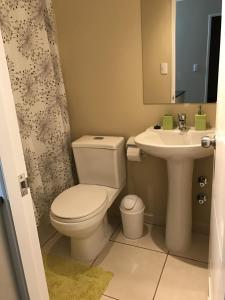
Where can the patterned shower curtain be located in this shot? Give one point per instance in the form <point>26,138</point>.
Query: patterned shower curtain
<point>28,31</point>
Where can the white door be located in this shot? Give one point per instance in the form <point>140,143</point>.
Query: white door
<point>12,165</point>
<point>217,238</point>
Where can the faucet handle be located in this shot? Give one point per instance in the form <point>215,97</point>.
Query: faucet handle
<point>182,117</point>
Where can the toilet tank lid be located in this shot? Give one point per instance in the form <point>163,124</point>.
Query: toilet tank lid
<point>95,141</point>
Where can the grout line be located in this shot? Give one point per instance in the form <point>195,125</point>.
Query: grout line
<point>110,297</point>
<point>160,277</point>
<point>185,257</point>
<point>168,252</point>
<point>138,247</point>
<point>51,237</point>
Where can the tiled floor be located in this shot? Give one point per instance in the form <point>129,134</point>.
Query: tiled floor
<point>143,269</point>
<point>136,271</point>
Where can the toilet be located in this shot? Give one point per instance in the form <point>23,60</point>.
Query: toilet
<point>80,212</point>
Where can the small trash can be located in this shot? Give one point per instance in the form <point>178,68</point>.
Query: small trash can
<point>132,212</point>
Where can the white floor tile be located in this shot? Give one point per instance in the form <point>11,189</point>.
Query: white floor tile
<point>136,271</point>
<point>199,249</point>
<point>153,238</point>
<point>183,279</point>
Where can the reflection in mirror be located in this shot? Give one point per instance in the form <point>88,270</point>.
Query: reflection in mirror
<point>180,50</point>
<point>198,24</point>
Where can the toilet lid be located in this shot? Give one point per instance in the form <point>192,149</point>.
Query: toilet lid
<point>79,201</point>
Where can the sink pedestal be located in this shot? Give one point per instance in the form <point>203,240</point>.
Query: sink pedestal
<point>180,149</point>
<point>179,205</point>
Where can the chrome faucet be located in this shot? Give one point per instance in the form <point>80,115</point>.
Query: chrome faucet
<point>182,118</point>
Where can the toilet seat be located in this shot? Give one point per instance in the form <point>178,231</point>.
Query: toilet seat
<point>79,203</point>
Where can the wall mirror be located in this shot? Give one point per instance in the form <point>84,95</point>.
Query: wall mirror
<point>180,50</point>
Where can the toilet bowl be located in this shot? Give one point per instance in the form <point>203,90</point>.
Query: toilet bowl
<point>80,212</point>
<point>86,225</point>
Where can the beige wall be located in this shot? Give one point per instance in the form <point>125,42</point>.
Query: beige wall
<point>156,26</point>
<point>100,49</point>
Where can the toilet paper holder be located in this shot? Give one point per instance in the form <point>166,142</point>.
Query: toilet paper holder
<point>130,143</point>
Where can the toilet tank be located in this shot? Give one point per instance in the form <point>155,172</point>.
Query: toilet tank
<point>100,160</point>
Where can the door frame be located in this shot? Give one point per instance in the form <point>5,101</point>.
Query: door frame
<point>208,53</point>
<point>13,165</point>
<point>217,226</point>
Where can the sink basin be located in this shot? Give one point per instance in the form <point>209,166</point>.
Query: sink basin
<point>174,144</point>
<point>179,149</point>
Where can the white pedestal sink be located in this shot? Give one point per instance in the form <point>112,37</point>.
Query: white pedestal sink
<point>179,149</point>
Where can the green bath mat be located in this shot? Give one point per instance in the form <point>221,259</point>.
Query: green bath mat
<point>70,280</point>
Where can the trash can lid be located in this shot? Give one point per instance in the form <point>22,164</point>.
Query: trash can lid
<point>132,202</point>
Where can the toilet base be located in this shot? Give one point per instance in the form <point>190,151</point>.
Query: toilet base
<point>87,249</point>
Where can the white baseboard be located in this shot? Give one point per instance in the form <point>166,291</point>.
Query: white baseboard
<point>50,243</point>
<point>154,220</point>
<point>201,228</point>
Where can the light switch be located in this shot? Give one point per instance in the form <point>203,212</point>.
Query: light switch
<point>164,68</point>
<point>195,67</point>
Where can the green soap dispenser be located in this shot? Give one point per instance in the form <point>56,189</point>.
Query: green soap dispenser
<point>200,120</point>
<point>167,122</point>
